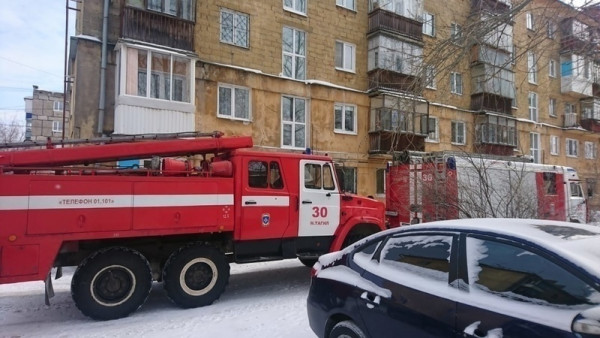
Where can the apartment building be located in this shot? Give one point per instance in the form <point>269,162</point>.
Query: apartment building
<point>44,115</point>
<point>357,80</point>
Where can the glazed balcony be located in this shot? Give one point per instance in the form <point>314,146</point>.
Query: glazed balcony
<point>576,37</point>
<point>590,114</point>
<point>396,130</point>
<point>383,20</point>
<point>157,28</point>
<point>491,6</point>
<point>570,120</point>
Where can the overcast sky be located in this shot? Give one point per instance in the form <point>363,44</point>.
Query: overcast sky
<point>32,36</point>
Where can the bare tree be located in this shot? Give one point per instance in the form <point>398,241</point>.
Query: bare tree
<point>11,131</point>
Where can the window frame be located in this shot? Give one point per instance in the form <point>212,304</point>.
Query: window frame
<point>293,123</point>
<point>456,33</point>
<point>529,21</point>
<point>436,132</point>
<point>428,21</point>
<point>455,137</point>
<point>552,68</point>
<point>454,85</point>
<point>533,103</point>
<point>590,150</point>
<point>569,149</point>
<point>532,76</point>
<point>345,45</point>
<point>343,122</point>
<point>233,116</point>
<point>354,183</point>
<point>293,6</point>
<point>57,126</point>
<point>293,54</point>
<point>343,4</point>
<point>233,28</point>
<point>57,106</point>
<point>554,145</point>
<point>535,147</point>
<point>430,77</point>
<point>552,105</point>
<point>380,175</point>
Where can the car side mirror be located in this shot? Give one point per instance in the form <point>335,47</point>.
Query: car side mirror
<point>585,325</point>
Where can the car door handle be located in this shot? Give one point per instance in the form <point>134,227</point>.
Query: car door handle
<point>249,202</point>
<point>306,202</point>
<point>371,299</point>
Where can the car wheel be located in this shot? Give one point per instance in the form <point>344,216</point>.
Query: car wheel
<point>346,329</point>
<point>195,276</point>
<point>111,283</point>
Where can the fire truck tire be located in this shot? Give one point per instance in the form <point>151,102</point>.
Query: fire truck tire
<point>111,283</point>
<point>308,261</point>
<point>195,276</point>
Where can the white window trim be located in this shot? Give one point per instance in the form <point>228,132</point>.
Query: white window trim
<point>306,123</point>
<point>232,116</point>
<point>384,182</point>
<point>432,23</point>
<point>529,21</point>
<point>293,10</point>
<point>59,104</point>
<point>535,148</point>
<point>437,131</point>
<point>56,126</point>
<point>343,5</point>
<point>344,44</point>
<point>293,55</point>
<point>533,109</point>
<point>554,141</point>
<point>221,27</point>
<point>343,131</point>
<point>552,107</point>
<point>532,76</point>
<point>590,150</point>
<point>552,68</point>
<point>456,39</point>
<point>453,84</point>
<point>433,85</point>
<point>464,133</point>
<point>567,147</point>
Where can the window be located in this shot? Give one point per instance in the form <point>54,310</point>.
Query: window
<point>533,106</point>
<point>293,125</point>
<point>531,68</point>
<point>348,178</point>
<point>571,148</point>
<point>456,83</point>
<point>433,135</point>
<point>552,107</point>
<point>554,145</point>
<point>234,102</point>
<point>425,256</point>
<point>164,69</point>
<point>349,4</point>
<point>184,9</point>
<point>552,68</point>
<point>430,76</point>
<point>428,24</point>
<point>590,150</point>
<point>294,53</point>
<point>345,118</point>
<point>458,132</point>
<point>591,186</point>
<point>344,56</point>
<point>235,28</point>
<point>534,144</point>
<point>57,106</point>
<point>492,129</point>
<point>57,126</point>
<point>526,276</point>
<point>530,24</point>
<point>551,30</point>
<point>297,6</point>
<point>259,177</point>
<point>313,176</point>
<point>380,181</point>
<point>456,33</point>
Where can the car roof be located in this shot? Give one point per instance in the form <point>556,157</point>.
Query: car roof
<point>578,243</point>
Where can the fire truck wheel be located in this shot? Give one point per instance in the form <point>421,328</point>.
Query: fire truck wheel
<point>111,283</point>
<point>195,276</point>
<point>308,261</point>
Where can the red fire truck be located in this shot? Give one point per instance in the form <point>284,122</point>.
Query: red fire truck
<point>180,221</point>
<point>424,187</point>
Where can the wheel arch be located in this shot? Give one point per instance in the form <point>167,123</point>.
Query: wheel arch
<point>361,227</point>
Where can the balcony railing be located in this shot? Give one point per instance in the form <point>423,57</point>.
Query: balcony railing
<point>491,102</point>
<point>570,120</point>
<point>380,19</point>
<point>389,80</point>
<point>157,28</point>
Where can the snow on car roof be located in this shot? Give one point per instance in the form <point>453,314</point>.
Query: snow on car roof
<point>579,243</point>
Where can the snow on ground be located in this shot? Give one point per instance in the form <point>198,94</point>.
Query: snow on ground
<point>262,300</point>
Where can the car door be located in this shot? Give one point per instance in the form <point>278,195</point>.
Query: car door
<point>319,199</point>
<point>516,290</point>
<point>416,269</point>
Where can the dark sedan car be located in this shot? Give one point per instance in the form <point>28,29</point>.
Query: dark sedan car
<point>462,278</point>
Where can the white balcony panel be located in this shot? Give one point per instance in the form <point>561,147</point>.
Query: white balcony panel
<point>143,120</point>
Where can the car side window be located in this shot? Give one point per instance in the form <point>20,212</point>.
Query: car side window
<point>427,256</point>
<point>257,174</point>
<point>512,272</point>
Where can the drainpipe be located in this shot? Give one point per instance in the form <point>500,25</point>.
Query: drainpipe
<point>102,102</point>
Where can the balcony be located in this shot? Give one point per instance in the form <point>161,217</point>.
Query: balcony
<point>382,20</point>
<point>576,37</point>
<point>492,6</point>
<point>381,79</point>
<point>491,102</point>
<point>570,120</point>
<point>576,86</point>
<point>590,114</point>
<point>157,28</point>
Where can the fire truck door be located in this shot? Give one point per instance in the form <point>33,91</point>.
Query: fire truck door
<point>265,200</point>
<point>319,199</point>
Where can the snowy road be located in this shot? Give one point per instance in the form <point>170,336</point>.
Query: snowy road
<point>261,300</point>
